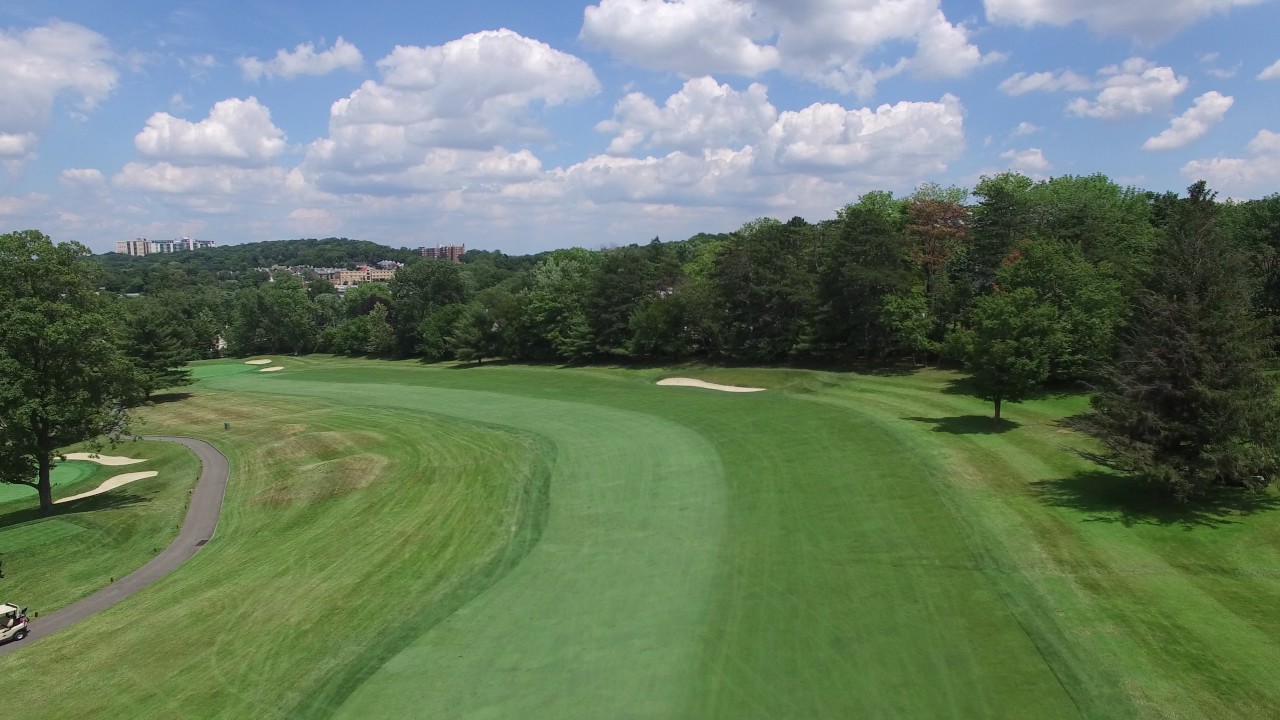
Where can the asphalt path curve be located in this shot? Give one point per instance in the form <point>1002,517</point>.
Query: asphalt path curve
<point>197,529</point>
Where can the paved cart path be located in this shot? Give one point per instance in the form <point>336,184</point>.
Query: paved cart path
<point>197,529</point>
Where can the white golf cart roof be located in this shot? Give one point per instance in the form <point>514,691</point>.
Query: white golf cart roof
<point>6,608</point>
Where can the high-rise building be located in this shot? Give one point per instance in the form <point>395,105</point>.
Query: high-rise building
<point>143,246</point>
<point>137,247</point>
<point>452,253</point>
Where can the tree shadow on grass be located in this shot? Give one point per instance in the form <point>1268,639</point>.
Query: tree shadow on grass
<point>969,424</point>
<point>1114,498</point>
<point>111,500</point>
<point>169,397</point>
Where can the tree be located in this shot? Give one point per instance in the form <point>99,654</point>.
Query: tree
<point>152,336</point>
<point>1008,353</point>
<point>1190,403</point>
<point>474,334</point>
<point>1089,301</point>
<point>865,264</point>
<point>421,289</point>
<point>937,240</point>
<point>382,337</point>
<point>63,377</point>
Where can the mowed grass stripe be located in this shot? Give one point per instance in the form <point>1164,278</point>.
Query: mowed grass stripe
<point>604,617</point>
<point>843,587</point>
<point>1162,617</point>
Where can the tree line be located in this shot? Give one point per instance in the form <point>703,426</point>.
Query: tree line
<point>1074,281</point>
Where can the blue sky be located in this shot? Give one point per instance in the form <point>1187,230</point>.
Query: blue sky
<point>528,126</point>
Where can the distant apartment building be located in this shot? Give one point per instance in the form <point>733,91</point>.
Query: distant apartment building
<point>452,253</point>
<point>179,245</point>
<point>138,247</point>
<point>143,246</point>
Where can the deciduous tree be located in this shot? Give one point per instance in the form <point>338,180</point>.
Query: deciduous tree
<point>63,377</point>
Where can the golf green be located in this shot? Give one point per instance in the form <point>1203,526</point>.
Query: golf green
<point>62,474</point>
<point>505,541</point>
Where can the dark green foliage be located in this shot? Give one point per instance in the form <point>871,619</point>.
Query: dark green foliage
<point>1088,301</point>
<point>864,263</point>
<point>1003,217</point>
<point>763,292</point>
<point>1190,402</point>
<point>153,338</point>
<point>419,290</point>
<point>476,334</point>
<point>278,317</point>
<point>1009,345</point>
<point>63,377</point>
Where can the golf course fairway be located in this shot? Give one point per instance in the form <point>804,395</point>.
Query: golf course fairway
<point>506,541</point>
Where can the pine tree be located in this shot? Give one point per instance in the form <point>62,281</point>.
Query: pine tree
<point>1189,404</point>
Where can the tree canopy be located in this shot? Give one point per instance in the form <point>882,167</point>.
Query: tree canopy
<point>63,375</point>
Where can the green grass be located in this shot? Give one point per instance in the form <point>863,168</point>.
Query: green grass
<point>62,476</point>
<point>509,541</point>
<point>52,562</point>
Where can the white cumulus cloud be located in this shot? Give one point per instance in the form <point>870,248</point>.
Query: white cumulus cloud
<point>1135,87</point>
<point>1028,162</point>
<point>442,113</point>
<point>889,143</point>
<point>237,132</point>
<point>703,114</point>
<point>1258,171</point>
<point>82,177</point>
<point>693,37</point>
<point>1148,20</point>
<point>303,60</point>
<point>1207,111</point>
<point>828,42</point>
<point>40,65</point>
<point>17,146</point>
<point>1271,72</point>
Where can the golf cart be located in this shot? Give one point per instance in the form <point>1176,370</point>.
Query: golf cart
<point>13,622</point>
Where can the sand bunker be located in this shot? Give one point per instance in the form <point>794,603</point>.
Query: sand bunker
<point>271,369</point>
<point>690,382</point>
<point>104,459</point>
<point>264,361</point>
<point>112,484</point>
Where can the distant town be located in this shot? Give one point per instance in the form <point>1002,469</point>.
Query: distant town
<point>341,278</point>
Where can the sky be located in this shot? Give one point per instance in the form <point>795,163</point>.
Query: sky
<point>527,126</point>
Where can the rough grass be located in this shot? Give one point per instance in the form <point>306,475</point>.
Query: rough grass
<point>840,546</point>
<point>333,575</point>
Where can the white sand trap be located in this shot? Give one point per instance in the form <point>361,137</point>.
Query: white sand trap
<point>104,459</point>
<point>264,361</point>
<point>690,382</point>
<point>112,484</point>
<point>271,369</point>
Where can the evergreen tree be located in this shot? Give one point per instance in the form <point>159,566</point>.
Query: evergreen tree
<point>153,340</point>
<point>1189,404</point>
